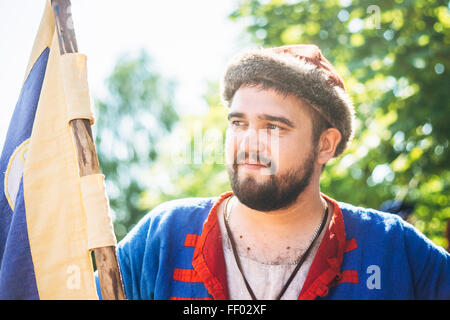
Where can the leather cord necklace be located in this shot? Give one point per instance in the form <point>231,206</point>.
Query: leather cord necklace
<point>297,267</point>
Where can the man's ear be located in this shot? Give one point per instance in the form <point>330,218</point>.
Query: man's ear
<point>328,142</point>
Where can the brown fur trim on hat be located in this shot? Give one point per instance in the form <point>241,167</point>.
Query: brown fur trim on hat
<point>291,75</point>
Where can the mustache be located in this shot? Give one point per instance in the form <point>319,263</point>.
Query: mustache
<point>254,157</point>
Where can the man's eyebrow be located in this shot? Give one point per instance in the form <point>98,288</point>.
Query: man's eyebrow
<point>264,116</point>
<point>236,115</point>
<point>277,119</point>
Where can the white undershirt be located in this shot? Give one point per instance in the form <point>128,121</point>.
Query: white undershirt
<point>266,280</point>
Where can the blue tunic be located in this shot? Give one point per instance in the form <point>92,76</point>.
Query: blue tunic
<point>175,252</point>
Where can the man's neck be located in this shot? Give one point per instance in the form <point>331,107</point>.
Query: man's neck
<point>279,236</point>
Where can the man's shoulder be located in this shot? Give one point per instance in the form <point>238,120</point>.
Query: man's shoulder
<point>364,215</point>
<point>172,215</point>
<point>382,228</point>
<point>362,222</point>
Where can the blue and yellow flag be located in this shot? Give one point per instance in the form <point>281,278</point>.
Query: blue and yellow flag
<point>49,217</point>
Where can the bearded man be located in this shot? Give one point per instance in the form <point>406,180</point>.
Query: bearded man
<point>275,235</point>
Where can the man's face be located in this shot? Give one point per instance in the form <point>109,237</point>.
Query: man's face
<point>269,151</point>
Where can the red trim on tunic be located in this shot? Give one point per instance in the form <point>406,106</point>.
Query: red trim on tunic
<point>350,245</point>
<point>327,262</point>
<point>324,273</point>
<point>208,259</point>
<point>349,276</point>
<point>186,275</point>
<point>191,240</point>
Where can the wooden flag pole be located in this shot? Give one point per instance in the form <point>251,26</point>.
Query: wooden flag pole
<point>106,259</point>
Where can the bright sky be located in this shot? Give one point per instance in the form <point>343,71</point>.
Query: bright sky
<point>190,42</point>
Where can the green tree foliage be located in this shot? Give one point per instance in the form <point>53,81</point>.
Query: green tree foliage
<point>191,161</point>
<point>138,112</point>
<point>394,57</point>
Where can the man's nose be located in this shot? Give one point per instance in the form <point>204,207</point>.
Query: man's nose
<point>253,143</point>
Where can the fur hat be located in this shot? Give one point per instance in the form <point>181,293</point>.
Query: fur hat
<point>300,70</point>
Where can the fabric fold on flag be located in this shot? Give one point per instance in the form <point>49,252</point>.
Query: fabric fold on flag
<point>74,76</point>
<point>95,201</point>
<point>46,231</point>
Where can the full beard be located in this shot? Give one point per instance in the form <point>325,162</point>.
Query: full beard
<point>280,191</point>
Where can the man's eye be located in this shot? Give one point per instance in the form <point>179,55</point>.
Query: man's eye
<point>237,123</point>
<point>271,126</point>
